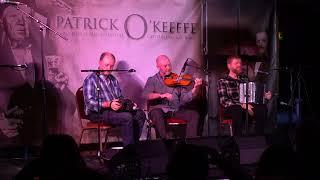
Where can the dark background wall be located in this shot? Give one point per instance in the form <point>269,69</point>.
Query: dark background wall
<point>299,49</point>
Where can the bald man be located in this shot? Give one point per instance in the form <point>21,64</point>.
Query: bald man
<point>167,101</point>
<point>130,123</point>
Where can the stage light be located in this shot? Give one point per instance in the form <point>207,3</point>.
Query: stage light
<point>280,36</point>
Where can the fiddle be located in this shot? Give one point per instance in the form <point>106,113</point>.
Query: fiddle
<point>174,79</point>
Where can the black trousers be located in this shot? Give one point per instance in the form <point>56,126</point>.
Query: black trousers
<point>130,123</point>
<point>158,118</point>
<point>238,116</point>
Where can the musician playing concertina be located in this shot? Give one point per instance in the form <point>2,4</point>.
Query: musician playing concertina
<point>229,96</point>
<point>111,106</point>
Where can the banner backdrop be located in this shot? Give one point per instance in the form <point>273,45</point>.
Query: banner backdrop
<point>136,32</point>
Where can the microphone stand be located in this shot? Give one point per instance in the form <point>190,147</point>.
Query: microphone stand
<point>43,80</point>
<point>42,27</point>
<point>291,88</point>
<point>292,100</point>
<point>97,73</point>
<point>13,66</point>
<point>299,94</point>
<point>246,124</point>
<point>113,70</point>
<point>247,100</point>
<point>204,17</point>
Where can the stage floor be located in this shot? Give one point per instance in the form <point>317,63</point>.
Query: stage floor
<point>10,166</point>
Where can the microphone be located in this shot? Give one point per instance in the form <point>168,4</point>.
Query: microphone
<point>22,65</point>
<point>111,70</point>
<point>11,2</point>
<point>262,72</point>
<point>131,70</point>
<point>284,103</point>
<point>184,65</point>
<point>282,69</point>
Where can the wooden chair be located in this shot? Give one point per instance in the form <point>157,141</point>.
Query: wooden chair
<point>225,120</point>
<point>87,125</point>
<point>172,123</point>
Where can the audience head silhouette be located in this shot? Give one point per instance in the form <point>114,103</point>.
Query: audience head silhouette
<point>59,158</point>
<point>277,162</point>
<point>188,162</point>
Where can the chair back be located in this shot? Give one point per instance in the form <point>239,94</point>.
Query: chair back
<point>222,115</point>
<point>81,105</point>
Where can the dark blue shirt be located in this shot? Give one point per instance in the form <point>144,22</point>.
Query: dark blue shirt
<point>110,90</point>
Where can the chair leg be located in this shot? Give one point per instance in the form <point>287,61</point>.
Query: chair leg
<point>223,129</point>
<point>105,140</point>
<point>81,136</point>
<point>149,127</point>
<point>99,141</point>
<point>100,138</point>
<point>220,127</point>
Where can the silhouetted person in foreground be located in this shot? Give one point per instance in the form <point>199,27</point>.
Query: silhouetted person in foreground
<point>307,140</point>
<point>59,159</point>
<point>277,162</point>
<point>188,162</point>
<point>192,162</point>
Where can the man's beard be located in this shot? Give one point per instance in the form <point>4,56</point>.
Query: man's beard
<point>236,71</point>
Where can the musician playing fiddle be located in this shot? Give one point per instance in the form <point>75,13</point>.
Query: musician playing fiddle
<point>170,101</point>
<point>110,106</point>
<point>229,96</point>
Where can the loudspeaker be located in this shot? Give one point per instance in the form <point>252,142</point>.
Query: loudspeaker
<point>218,148</point>
<point>150,158</point>
<point>144,159</point>
<point>248,148</point>
<point>251,148</point>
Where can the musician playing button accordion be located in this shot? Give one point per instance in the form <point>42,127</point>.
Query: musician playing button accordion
<point>113,107</point>
<point>229,96</point>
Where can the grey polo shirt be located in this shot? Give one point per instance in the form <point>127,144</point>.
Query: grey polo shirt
<point>155,84</point>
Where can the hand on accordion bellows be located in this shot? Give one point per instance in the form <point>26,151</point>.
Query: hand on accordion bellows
<point>250,108</point>
<point>135,106</point>
<point>114,104</point>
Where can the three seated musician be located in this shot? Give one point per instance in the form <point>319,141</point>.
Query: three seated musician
<point>165,101</point>
<point>114,109</point>
<point>229,96</point>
